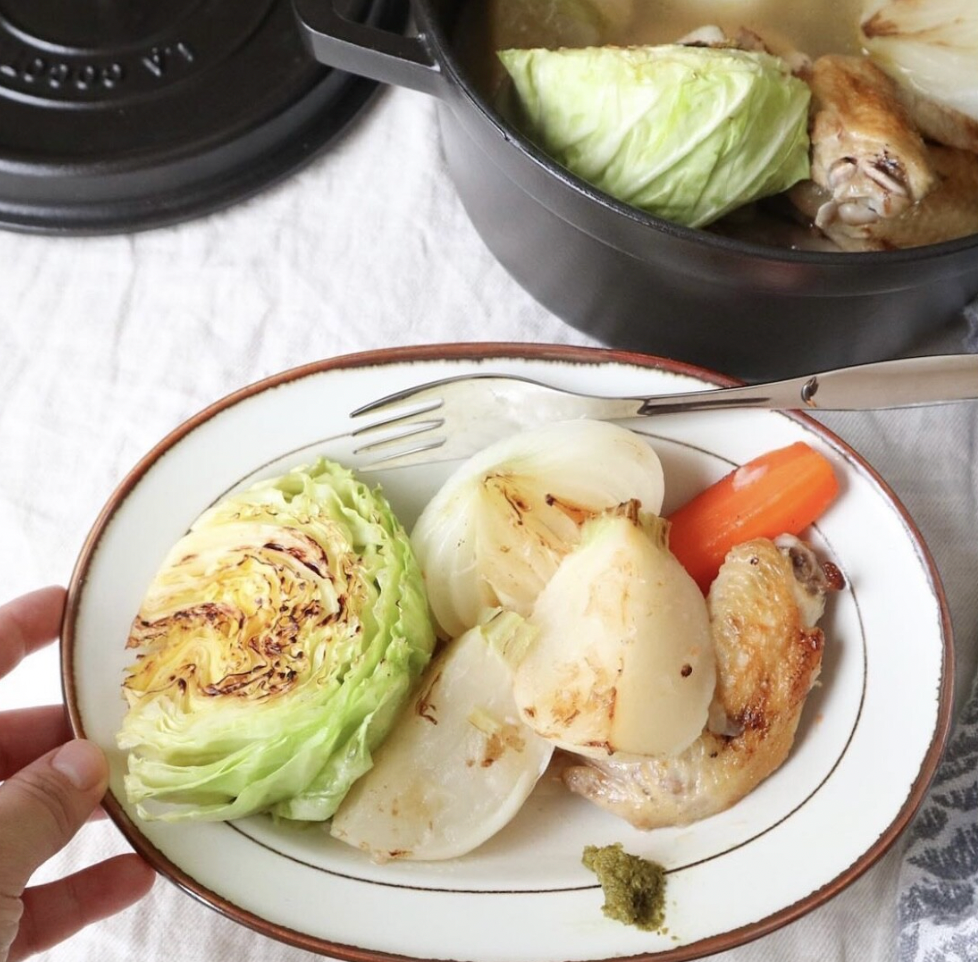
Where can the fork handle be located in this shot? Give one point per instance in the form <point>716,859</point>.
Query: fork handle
<point>906,382</point>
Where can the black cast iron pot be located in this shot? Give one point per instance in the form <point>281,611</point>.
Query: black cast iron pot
<point>633,280</point>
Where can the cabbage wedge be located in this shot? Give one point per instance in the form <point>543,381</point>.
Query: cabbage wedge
<point>685,133</point>
<point>275,648</point>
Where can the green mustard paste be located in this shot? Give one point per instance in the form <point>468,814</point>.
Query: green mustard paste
<point>634,888</point>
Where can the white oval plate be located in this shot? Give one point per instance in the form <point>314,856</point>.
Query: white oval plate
<point>868,745</point>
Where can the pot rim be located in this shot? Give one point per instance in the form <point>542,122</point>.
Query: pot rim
<point>441,47</point>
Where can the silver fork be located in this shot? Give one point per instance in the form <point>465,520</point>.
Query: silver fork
<point>456,416</point>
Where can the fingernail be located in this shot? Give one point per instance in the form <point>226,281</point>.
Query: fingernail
<point>80,762</point>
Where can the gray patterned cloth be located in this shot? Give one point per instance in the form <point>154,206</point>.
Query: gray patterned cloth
<point>938,902</point>
<point>938,905</point>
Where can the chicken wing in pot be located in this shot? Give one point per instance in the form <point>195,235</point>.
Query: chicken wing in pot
<point>867,156</point>
<point>764,605</point>
<point>949,211</point>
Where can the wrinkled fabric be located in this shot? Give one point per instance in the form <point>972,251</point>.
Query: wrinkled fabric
<point>938,885</point>
<point>109,343</point>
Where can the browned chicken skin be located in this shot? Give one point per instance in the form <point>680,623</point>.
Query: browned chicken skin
<point>949,210</point>
<point>867,155</point>
<point>763,608</point>
<point>876,184</point>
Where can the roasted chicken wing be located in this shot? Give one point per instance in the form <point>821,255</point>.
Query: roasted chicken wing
<point>949,210</point>
<point>763,608</point>
<point>867,156</point>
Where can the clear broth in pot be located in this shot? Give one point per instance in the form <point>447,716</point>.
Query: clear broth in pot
<point>485,26</point>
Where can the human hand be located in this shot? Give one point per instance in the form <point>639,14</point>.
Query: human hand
<point>51,784</point>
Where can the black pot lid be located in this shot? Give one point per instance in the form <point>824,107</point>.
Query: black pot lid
<point>117,115</point>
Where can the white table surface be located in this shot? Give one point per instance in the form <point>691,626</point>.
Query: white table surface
<point>108,343</point>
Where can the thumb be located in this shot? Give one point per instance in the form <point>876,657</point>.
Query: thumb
<point>41,807</point>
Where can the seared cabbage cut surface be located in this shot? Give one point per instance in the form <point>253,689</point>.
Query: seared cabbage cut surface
<point>274,649</point>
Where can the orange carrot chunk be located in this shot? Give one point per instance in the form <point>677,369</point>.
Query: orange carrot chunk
<point>781,492</point>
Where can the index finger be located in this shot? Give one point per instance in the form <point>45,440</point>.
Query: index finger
<point>28,623</point>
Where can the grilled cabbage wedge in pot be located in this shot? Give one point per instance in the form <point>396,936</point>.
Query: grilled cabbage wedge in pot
<point>687,133</point>
<point>273,651</point>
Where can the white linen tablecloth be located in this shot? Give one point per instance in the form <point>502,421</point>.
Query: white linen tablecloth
<point>106,344</point>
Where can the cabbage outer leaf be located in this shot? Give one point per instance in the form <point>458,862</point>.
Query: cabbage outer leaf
<point>685,133</point>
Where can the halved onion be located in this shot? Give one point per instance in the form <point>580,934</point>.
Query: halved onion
<point>623,663</point>
<point>495,532</point>
<point>459,763</point>
<point>930,47</point>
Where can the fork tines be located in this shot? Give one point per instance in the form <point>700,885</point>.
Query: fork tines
<point>398,438</point>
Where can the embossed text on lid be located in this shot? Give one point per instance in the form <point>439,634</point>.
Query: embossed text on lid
<point>122,114</point>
